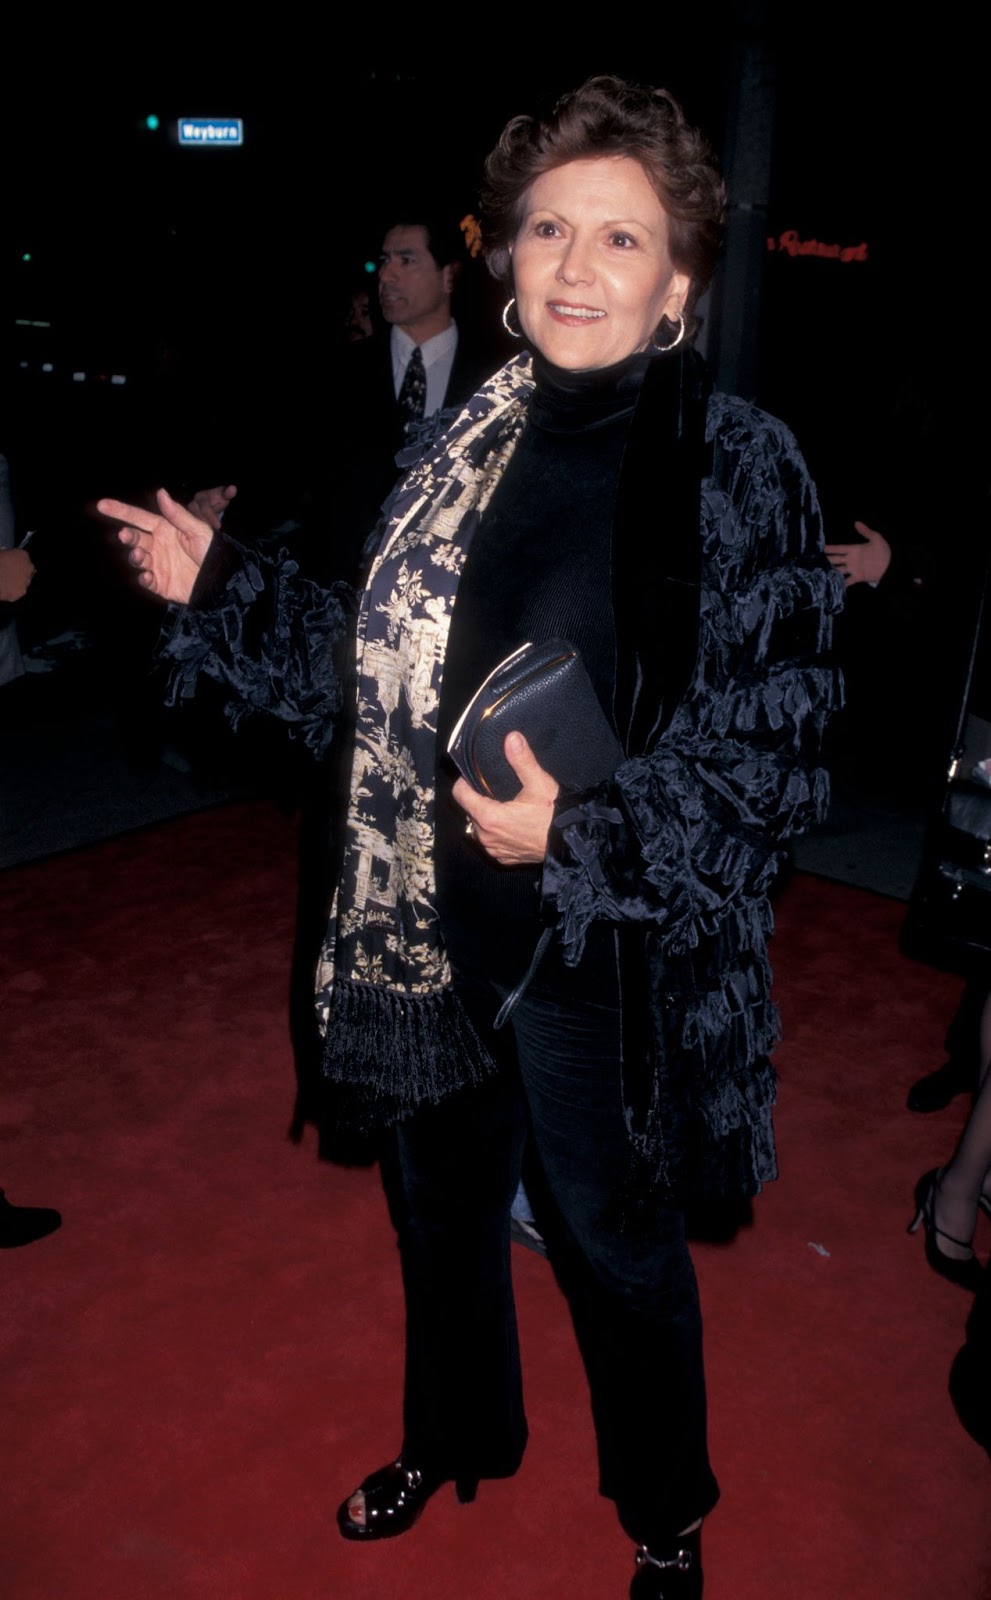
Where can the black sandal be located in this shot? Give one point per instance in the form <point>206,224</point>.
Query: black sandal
<point>962,1270</point>
<point>395,1495</point>
<point>674,1576</point>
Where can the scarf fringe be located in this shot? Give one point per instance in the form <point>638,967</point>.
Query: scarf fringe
<point>389,1053</point>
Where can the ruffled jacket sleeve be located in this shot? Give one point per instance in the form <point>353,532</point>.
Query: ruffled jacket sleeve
<point>273,639</point>
<point>682,836</point>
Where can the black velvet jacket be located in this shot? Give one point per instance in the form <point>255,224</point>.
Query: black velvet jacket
<point>723,690</point>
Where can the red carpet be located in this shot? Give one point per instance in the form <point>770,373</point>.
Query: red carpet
<point>205,1357</point>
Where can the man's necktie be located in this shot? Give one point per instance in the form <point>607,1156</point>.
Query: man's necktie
<point>413,394</point>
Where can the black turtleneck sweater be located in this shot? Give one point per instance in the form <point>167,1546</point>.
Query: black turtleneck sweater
<point>539,567</point>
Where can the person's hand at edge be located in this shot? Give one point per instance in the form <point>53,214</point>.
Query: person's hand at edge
<point>16,572</point>
<point>861,563</point>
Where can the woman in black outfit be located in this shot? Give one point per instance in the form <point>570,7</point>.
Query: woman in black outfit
<point>596,490</point>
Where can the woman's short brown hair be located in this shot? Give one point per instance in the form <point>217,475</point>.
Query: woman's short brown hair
<point>608,116</point>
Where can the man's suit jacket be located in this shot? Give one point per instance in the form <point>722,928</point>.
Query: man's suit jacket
<point>372,431</point>
<point>314,469</point>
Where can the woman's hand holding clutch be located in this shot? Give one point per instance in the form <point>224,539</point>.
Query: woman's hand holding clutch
<point>513,832</point>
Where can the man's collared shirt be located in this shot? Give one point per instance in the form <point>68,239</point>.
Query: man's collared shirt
<point>438,359</point>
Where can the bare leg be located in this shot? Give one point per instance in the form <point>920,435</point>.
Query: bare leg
<point>966,1176</point>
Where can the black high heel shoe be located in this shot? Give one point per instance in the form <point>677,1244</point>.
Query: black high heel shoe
<point>966,1271</point>
<point>674,1574</point>
<point>395,1495</point>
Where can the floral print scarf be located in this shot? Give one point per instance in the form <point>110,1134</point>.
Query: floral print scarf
<point>395,1034</point>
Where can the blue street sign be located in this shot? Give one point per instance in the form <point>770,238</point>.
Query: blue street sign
<point>211,131</point>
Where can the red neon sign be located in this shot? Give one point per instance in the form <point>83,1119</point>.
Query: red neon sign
<point>790,244</point>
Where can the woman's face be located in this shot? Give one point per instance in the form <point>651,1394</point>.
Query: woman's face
<point>590,263</point>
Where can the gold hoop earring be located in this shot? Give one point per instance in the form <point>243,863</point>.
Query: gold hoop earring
<point>664,348</point>
<point>514,333</point>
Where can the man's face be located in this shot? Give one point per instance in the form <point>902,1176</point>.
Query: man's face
<point>414,291</point>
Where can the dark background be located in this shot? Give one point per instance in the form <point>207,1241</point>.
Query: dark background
<point>218,275</point>
<point>215,280</point>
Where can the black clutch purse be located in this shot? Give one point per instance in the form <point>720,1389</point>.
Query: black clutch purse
<point>543,692</point>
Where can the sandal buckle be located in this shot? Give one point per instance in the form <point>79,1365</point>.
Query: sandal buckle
<point>682,1562</point>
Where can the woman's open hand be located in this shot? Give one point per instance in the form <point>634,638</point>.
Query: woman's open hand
<point>168,549</point>
<point>514,832</point>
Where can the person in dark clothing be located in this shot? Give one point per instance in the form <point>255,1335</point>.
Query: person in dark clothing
<point>386,405</point>
<point>970,1374</point>
<point>868,560</point>
<point>16,574</point>
<point>948,1198</point>
<point>596,486</point>
<point>325,500</point>
<point>961,1071</point>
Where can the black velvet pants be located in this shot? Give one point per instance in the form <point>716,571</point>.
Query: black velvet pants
<point>632,1294</point>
